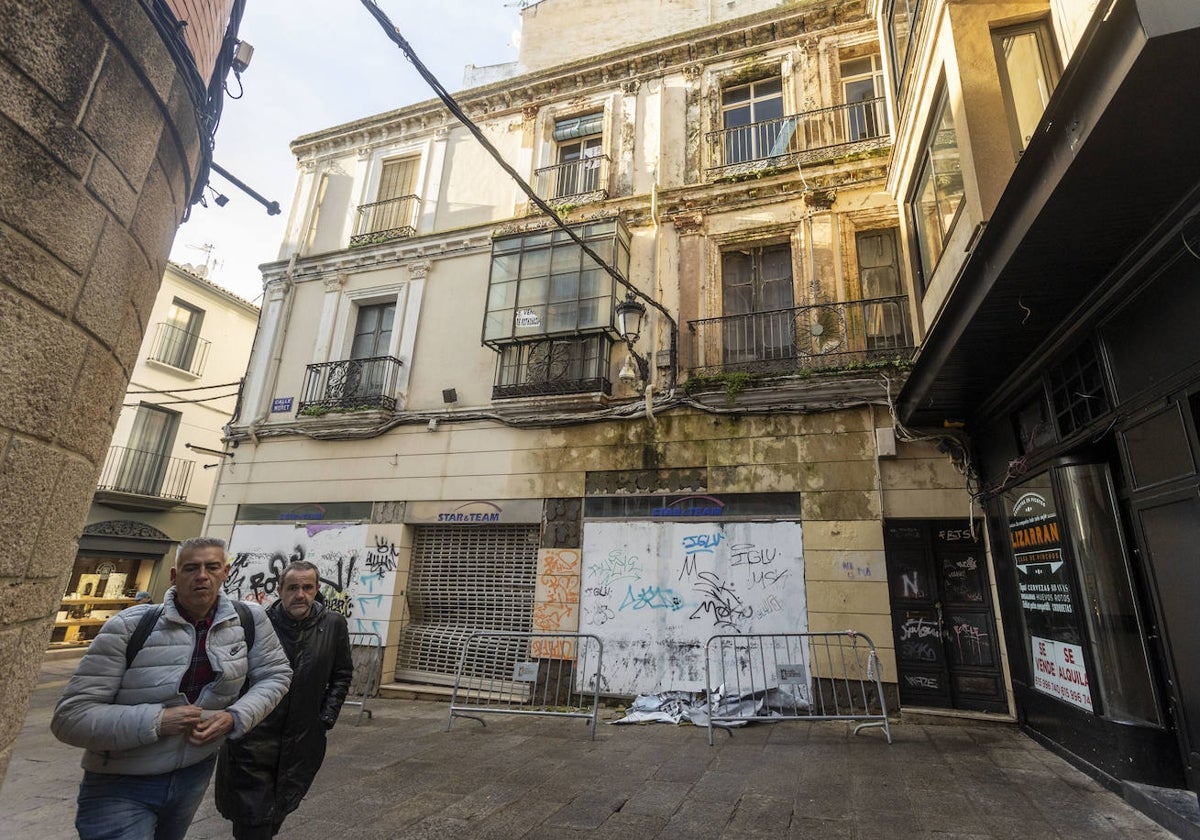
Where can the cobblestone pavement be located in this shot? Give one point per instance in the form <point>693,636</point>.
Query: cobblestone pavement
<point>400,775</point>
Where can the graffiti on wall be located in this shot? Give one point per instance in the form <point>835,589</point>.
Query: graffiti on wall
<point>357,566</point>
<point>656,591</point>
<point>556,602</point>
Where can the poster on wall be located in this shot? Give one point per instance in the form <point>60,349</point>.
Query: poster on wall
<point>655,592</point>
<point>1058,670</point>
<point>1047,603</point>
<point>356,563</point>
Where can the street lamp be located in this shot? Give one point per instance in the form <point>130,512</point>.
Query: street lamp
<point>630,314</point>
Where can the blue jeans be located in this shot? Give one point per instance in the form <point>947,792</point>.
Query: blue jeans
<point>160,807</point>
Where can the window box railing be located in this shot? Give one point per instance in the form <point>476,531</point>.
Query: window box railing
<point>179,348</point>
<point>383,221</point>
<point>350,385</point>
<point>146,473</point>
<point>575,181</point>
<point>554,367</point>
<point>834,336</point>
<point>808,137</point>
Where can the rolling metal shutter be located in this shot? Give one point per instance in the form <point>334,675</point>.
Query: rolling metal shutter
<point>466,578</point>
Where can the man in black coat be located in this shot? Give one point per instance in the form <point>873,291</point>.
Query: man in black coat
<point>262,778</point>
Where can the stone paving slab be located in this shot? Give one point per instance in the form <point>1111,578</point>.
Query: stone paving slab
<point>400,776</point>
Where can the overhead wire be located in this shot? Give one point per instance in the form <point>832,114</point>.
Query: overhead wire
<point>456,110</point>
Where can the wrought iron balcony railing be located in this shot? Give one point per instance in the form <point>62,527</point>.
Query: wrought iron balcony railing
<point>350,385</point>
<point>804,338</point>
<point>179,348</point>
<point>146,473</point>
<point>586,178</point>
<point>811,136</point>
<point>383,221</point>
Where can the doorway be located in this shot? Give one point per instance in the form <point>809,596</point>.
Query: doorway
<point>943,624</point>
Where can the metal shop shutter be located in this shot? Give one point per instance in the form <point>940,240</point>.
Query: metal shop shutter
<point>466,578</point>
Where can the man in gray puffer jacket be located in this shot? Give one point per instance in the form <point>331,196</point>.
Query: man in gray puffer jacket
<point>152,730</point>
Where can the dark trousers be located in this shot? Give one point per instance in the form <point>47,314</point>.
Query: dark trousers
<point>259,831</point>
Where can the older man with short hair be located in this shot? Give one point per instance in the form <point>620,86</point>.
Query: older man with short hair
<point>262,778</point>
<point>151,726</point>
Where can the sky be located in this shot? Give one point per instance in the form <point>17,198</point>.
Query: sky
<point>317,64</point>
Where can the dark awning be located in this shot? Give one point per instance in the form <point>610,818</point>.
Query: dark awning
<point>1117,150</point>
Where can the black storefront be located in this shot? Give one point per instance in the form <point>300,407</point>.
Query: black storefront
<point>1070,351</point>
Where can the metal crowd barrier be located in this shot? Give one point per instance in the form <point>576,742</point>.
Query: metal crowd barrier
<point>367,652</point>
<point>794,676</point>
<point>548,674</point>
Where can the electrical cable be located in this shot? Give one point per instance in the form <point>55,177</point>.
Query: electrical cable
<point>185,402</point>
<point>173,391</point>
<point>453,107</point>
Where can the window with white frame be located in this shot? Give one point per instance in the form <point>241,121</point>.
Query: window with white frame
<point>901,23</point>
<point>862,90</point>
<point>365,373</point>
<point>177,340</point>
<point>752,122</point>
<point>393,212</point>
<point>580,167</point>
<point>938,194</point>
<point>1028,66</point>
<point>144,462</point>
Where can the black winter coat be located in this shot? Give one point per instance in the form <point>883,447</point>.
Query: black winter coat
<point>262,777</point>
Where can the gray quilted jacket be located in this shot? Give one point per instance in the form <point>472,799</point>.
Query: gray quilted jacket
<point>113,712</point>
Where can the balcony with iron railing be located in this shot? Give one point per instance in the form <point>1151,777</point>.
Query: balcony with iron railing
<point>143,472</point>
<point>824,337</point>
<point>577,181</point>
<point>350,385</point>
<point>383,221</point>
<point>178,348</point>
<point>806,138</point>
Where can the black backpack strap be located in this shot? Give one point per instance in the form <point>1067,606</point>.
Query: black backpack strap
<point>246,615</point>
<point>140,633</point>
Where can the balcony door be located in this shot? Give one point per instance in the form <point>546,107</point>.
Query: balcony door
<point>752,119</point>
<point>182,334</point>
<point>862,86</point>
<point>144,461</point>
<point>756,286</point>
<point>366,374</point>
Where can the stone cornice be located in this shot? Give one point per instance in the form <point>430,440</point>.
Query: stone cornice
<point>519,96</point>
<point>374,257</point>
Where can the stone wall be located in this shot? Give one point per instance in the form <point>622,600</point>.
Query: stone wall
<point>101,150</point>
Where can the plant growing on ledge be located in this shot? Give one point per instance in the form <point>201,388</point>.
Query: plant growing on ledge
<point>322,410</point>
<point>732,383</point>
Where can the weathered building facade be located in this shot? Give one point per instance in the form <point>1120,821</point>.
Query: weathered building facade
<point>108,115</point>
<point>443,412</point>
<point>1049,197</point>
<point>158,474</point>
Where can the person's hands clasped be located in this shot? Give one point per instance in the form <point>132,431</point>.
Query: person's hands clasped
<point>211,729</point>
<point>178,720</point>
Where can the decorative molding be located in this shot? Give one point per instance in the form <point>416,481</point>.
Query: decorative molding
<point>529,112</point>
<point>688,224</point>
<point>336,282</point>
<point>630,87</point>
<point>125,528</point>
<point>419,270</point>
<point>692,72</point>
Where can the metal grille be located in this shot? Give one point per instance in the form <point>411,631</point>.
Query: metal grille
<point>464,579</point>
